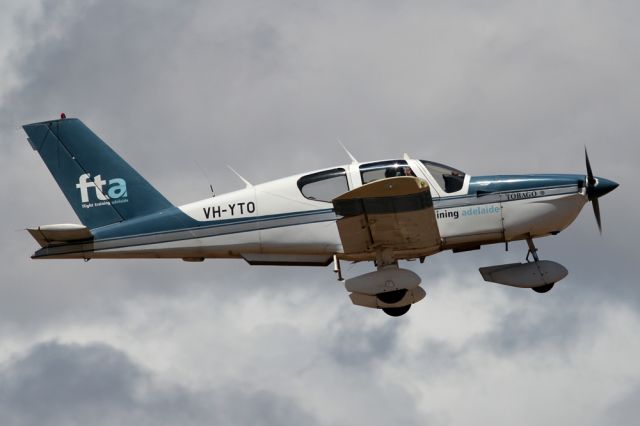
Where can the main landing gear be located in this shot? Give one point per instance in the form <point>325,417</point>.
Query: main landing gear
<point>397,312</point>
<point>392,297</point>
<point>390,288</point>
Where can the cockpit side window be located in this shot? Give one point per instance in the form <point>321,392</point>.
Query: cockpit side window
<point>384,169</point>
<point>449,179</point>
<point>325,185</point>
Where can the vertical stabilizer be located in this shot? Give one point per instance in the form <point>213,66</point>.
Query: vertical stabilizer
<point>101,187</point>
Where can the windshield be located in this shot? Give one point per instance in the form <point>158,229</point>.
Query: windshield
<point>449,179</point>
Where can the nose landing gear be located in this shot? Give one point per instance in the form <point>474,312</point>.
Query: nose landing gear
<point>543,288</point>
<point>539,275</point>
<point>533,251</point>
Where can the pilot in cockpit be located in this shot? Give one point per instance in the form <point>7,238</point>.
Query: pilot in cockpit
<point>395,171</point>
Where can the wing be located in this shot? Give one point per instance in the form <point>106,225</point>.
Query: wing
<point>389,214</point>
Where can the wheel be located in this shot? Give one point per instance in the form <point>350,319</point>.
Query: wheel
<point>397,312</point>
<point>392,296</point>
<point>543,288</point>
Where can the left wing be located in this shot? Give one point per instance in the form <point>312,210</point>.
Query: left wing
<point>390,214</point>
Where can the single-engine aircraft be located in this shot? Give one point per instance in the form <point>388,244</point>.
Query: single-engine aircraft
<point>380,211</point>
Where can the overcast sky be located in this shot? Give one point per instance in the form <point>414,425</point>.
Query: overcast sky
<point>268,87</point>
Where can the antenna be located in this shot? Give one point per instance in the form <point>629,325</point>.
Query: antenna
<point>206,177</point>
<point>246,182</point>
<point>353,159</point>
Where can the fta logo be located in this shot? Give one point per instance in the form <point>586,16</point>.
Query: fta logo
<point>105,191</point>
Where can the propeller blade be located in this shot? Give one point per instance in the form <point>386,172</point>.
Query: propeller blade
<point>596,189</point>
<point>596,212</point>
<point>590,179</point>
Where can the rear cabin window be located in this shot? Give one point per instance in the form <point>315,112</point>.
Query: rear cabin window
<point>449,179</point>
<point>384,169</point>
<point>325,185</point>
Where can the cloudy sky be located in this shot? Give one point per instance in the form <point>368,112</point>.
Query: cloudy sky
<point>268,87</point>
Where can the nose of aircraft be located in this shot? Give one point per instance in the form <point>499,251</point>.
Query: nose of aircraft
<point>602,187</point>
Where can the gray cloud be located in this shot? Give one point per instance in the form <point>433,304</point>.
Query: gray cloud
<point>356,343</point>
<point>626,408</point>
<point>56,383</point>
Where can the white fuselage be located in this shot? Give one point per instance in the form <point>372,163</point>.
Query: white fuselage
<point>274,223</point>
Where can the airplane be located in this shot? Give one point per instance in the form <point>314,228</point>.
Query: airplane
<point>381,211</point>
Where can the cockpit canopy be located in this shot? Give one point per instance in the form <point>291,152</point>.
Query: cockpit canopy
<point>329,184</point>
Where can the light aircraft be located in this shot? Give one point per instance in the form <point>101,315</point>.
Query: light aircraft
<point>381,211</point>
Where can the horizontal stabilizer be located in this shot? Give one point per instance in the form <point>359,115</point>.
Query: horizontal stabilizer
<point>47,235</point>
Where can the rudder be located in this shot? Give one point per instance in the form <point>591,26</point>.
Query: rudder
<point>101,187</point>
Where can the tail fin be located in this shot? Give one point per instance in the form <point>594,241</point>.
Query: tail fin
<point>100,186</point>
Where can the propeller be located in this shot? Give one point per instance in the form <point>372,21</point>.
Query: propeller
<point>596,188</point>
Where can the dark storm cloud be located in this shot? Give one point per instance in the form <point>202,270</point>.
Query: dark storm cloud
<point>56,383</point>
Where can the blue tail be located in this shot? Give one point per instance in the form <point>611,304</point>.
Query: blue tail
<point>100,186</point>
